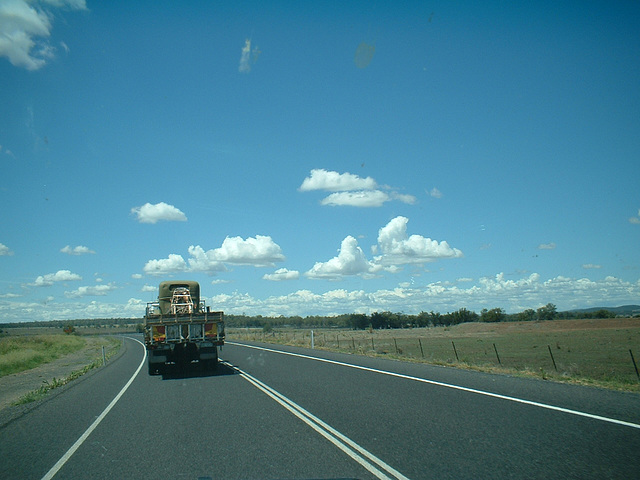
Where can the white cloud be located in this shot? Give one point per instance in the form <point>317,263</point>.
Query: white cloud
<point>547,246</point>
<point>282,274</point>
<point>174,263</point>
<point>10,295</point>
<point>4,250</point>
<point>399,249</point>
<point>404,198</point>
<point>351,190</point>
<point>514,295</point>
<point>202,261</point>
<point>635,220</point>
<point>79,250</point>
<point>92,291</point>
<point>149,213</point>
<point>51,278</point>
<point>148,288</point>
<point>435,193</point>
<point>258,251</point>
<point>350,261</point>
<point>321,179</point>
<point>365,198</point>
<point>245,57</point>
<point>136,276</point>
<point>588,266</point>
<point>25,27</point>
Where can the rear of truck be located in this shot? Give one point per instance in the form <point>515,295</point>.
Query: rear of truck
<point>181,330</point>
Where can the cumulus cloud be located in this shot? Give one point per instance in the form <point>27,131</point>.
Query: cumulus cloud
<point>321,179</point>
<point>174,263</point>
<point>547,246</point>
<point>397,248</point>
<point>635,220</point>
<point>282,274</point>
<point>351,190</point>
<point>350,261</point>
<point>512,294</point>
<point>370,198</point>
<point>258,251</point>
<point>589,266</point>
<point>25,27</point>
<point>51,278</point>
<point>149,213</point>
<point>201,261</point>
<point>91,291</point>
<point>79,250</point>
<point>4,250</point>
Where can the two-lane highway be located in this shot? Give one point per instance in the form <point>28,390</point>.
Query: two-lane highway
<point>269,414</point>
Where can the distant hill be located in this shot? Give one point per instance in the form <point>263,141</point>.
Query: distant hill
<point>623,310</point>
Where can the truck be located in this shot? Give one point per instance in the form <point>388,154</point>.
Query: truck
<point>180,330</point>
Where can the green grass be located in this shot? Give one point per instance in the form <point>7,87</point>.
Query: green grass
<point>20,353</point>
<point>112,347</point>
<point>586,352</point>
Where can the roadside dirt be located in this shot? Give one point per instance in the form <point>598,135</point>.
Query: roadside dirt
<point>13,387</point>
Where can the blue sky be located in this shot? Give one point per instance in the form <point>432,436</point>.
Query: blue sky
<point>309,158</point>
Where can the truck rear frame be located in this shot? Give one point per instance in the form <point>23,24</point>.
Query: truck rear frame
<point>181,330</point>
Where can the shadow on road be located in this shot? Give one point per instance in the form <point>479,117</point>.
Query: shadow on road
<point>175,372</point>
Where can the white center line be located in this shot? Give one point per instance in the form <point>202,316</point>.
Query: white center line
<point>348,446</point>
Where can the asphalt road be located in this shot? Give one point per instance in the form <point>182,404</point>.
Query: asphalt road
<point>269,415</point>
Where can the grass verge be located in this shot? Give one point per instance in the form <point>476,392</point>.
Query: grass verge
<point>18,354</point>
<point>112,347</point>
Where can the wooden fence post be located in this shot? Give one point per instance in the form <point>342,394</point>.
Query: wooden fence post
<point>497,356</point>
<point>552,359</point>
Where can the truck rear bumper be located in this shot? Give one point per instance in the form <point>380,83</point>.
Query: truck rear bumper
<point>158,356</point>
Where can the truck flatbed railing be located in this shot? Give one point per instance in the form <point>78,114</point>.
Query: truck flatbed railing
<point>201,315</point>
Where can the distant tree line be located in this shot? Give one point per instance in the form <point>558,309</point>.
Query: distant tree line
<point>356,321</point>
<point>81,322</point>
<point>380,320</point>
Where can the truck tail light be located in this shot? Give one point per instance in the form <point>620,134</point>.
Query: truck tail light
<point>210,330</point>
<point>158,333</point>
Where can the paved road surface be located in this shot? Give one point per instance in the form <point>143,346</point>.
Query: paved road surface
<point>272,415</point>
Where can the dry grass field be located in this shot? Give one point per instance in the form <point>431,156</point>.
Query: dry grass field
<point>591,351</point>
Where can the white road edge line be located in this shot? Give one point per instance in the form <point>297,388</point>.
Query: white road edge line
<point>352,449</point>
<point>449,385</point>
<point>60,463</point>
